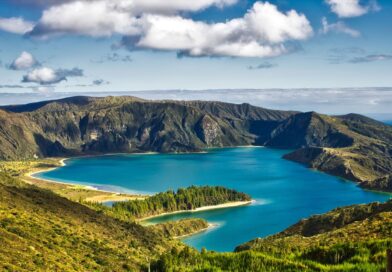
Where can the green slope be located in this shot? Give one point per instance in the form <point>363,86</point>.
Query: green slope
<point>42,231</point>
<point>353,238</point>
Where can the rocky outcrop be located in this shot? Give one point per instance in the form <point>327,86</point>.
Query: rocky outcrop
<point>209,131</point>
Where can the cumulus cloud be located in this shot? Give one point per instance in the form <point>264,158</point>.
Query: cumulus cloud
<point>104,18</point>
<point>23,62</point>
<point>351,8</point>
<point>261,32</point>
<point>16,25</point>
<point>40,2</point>
<point>264,65</point>
<point>144,5</point>
<point>96,19</point>
<point>338,27</point>
<point>46,76</point>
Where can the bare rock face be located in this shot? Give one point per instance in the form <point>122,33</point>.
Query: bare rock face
<point>209,131</point>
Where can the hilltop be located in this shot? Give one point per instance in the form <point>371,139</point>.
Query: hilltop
<point>350,146</point>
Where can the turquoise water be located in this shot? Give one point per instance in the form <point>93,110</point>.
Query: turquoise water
<point>284,191</point>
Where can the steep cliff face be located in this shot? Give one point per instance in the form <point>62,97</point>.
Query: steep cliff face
<point>127,124</point>
<point>208,130</point>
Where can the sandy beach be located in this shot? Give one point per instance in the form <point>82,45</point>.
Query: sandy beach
<point>205,208</point>
<point>75,191</point>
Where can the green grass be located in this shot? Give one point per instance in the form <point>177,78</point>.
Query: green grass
<point>41,231</point>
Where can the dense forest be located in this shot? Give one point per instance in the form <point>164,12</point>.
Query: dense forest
<point>183,200</point>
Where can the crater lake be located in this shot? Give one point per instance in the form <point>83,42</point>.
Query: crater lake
<point>285,192</point>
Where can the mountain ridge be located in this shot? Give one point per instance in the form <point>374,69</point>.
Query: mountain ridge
<point>350,146</point>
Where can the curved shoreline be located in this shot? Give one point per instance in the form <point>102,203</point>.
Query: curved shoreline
<point>116,196</point>
<point>106,196</point>
<point>201,209</point>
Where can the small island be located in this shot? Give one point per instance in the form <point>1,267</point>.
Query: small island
<point>183,200</point>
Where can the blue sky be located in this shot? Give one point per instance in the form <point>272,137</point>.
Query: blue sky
<point>258,44</point>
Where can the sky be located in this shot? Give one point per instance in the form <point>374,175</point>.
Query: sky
<point>134,45</point>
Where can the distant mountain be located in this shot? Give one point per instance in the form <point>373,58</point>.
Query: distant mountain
<point>86,125</point>
<point>350,146</point>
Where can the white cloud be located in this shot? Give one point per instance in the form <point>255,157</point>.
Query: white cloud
<point>42,75</point>
<point>260,33</point>
<point>144,5</point>
<point>105,18</point>
<point>339,27</point>
<point>351,8</point>
<point>24,61</point>
<point>172,6</point>
<point>43,89</point>
<point>45,75</point>
<point>15,25</point>
<point>97,19</point>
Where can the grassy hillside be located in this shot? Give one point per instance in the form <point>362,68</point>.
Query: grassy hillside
<point>42,231</point>
<point>353,238</point>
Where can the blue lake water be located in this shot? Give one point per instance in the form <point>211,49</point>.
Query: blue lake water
<point>284,191</point>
